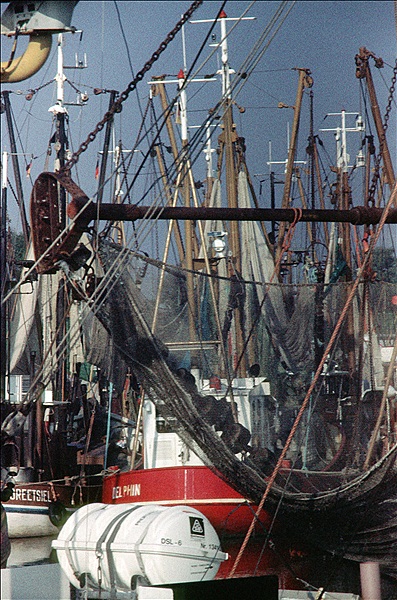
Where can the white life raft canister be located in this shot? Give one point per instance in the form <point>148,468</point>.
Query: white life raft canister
<point>110,545</point>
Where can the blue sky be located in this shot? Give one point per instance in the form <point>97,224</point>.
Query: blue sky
<point>321,36</point>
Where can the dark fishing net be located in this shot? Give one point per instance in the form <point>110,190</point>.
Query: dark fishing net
<point>352,506</point>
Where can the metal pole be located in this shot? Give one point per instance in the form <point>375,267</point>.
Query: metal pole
<point>358,215</point>
<point>273,205</point>
<point>105,153</point>
<point>189,232</point>
<point>364,72</point>
<point>15,164</point>
<point>60,137</point>
<point>3,282</point>
<point>370,581</point>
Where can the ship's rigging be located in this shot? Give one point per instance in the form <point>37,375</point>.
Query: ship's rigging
<point>135,348</point>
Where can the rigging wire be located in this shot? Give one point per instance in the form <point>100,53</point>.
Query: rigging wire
<point>113,269</point>
<point>168,110</point>
<point>196,140</point>
<point>327,350</point>
<point>128,55</point>
<point>197,136</point>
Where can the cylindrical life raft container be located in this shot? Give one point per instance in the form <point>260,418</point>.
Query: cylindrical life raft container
<point>111,545</point>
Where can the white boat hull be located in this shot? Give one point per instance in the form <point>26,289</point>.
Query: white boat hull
<point>32,521</point>
<point>40,509</point>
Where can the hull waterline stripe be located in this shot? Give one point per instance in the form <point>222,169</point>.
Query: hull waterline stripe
<point>37,510</point>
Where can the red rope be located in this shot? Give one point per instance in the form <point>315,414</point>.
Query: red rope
<point>327,351</point>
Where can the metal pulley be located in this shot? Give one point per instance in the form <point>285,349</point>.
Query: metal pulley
<point>51,241</point>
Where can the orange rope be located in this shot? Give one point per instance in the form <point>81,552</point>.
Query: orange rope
<point>287,240</point>
<point>290,234</point>
<point>338,325</point>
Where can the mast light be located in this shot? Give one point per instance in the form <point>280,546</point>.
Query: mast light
<point>360,126</point>
<point>360,159</point>
<point>219,243</point>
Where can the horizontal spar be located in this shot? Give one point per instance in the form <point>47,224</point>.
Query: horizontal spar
<point>359,215</point>
<point>51,241</point>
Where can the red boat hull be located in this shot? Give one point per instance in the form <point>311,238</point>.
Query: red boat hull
<point>227,510</point>
<point>230,514</point>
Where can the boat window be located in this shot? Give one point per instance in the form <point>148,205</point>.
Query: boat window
<point>164,426</point>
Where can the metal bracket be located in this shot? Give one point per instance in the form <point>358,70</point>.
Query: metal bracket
<point>51,241</point>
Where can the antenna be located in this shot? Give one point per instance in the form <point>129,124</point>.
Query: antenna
<point>184,48</point>
<point>342,157</point>
<point>225,71</point>
<point>182,82</point>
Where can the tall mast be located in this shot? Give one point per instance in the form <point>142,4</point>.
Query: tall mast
<point>60,113</point>
<point>344,201</point>
<point>3,281</point>
<point>186,198</point>
<point>15,164</point>
<point>304,81</point>
<point>183,167</point>
<point>159,88</point>
<point>228,137</point>
<point>364,72</point>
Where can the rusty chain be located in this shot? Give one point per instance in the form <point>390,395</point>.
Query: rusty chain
<point>371,192</point>
<point>132,85</point>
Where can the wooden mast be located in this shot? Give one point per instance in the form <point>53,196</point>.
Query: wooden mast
<point>304,81</point>
<point>364,72</point>
<point>159,88</point>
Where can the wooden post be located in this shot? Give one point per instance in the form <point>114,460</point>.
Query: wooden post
<point>304,81</point>
<point>370,581</point>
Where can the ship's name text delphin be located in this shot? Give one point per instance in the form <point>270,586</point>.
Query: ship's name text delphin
<point>134,489</point>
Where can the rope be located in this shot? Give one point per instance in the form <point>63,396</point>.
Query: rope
<point>288,238</point>
<point>328,349</point>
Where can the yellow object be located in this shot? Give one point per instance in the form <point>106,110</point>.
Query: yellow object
<point>30,62</point>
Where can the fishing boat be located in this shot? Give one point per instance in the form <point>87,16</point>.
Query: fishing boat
<point>43,434</point>
<point>249,368</point>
